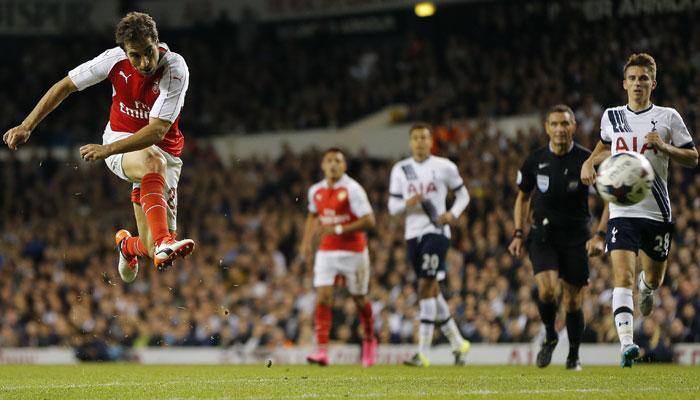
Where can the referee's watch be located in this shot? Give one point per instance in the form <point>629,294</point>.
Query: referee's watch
<point>518,233</point>
<point>602,234</point>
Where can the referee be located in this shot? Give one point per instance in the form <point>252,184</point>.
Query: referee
<point>558,242</point>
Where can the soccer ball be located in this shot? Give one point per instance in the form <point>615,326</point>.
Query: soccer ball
<point>624,179</point>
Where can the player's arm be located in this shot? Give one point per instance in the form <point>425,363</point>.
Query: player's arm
<point>520,212</point>
<point>686,156</point>
<point>51,99</point>
<point>599,154</point>
<point>151,134</point>
<point>460,204</point>
<point>307,239</point>
<point>595,246</point>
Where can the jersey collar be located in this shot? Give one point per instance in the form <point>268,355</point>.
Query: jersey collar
<point>421,162</point>
<point>571,146</point>
<point>340,182</point>
<point>640,111</point>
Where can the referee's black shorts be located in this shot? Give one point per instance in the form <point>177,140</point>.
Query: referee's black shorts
<point>570,260</point>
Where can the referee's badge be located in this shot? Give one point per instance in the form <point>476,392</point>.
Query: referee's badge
<point>543,183</point>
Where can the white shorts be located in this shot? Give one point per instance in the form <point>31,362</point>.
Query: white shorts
<point>173,168</point>
<point>353,265</point>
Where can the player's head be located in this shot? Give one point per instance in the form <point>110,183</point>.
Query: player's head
<point>560,125</point>
<point>137,34</point>
<point>640,77</point>
<point>421,140</point>
<point>333,163</point>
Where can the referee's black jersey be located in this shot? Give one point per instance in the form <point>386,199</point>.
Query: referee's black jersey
<point>559,196</point>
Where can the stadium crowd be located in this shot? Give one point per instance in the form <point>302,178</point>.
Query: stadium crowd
<point>245,285</point>
<point>450,70</point>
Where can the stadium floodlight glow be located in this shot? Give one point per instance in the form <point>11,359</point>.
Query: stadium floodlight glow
<point>424,9</point>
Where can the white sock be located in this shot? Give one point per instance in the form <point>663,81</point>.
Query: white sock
<point>428,311</point>
<point>644,287</point>
<point>447,323</point>
<point>623,307</point>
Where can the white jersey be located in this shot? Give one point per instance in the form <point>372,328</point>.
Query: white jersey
<point>432,178</point>
<point>625,130</point>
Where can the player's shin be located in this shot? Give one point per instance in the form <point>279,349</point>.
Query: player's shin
<point>323,325</point>
<point>447,324</point>
<point>154,205</point>
<point>623,306</point>
<point>548,313</point>
<point>575,325</point>
<point>428,312</point>
<point>133,246</point>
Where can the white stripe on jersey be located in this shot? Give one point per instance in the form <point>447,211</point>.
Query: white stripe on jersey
<point>625,131</point>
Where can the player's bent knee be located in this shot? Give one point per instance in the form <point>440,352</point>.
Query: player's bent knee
<point>154,162</point>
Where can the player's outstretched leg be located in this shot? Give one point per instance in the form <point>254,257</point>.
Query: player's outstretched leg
<point>646,296</point>
<point>128,251</point>
<point>149,165</point>
<point>460,346</point>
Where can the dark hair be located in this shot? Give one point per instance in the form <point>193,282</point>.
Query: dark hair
<point>421,125</point>
<point>559,108</point>
<point>641,60</point>
<point>136,27</point>
<point>333,150</point>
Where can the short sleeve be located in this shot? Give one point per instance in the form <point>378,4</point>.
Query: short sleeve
<point>526,178</point>
<point>173,86</point>
<point>396,182</point>
<point>310,198</point>
<point>96,70</point>
<point>680,137</point>
<point>454,179</point>
<point>606,128</point>
<point>359,203</point>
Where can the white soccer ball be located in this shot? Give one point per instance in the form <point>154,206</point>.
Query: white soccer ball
<point>624,179</point>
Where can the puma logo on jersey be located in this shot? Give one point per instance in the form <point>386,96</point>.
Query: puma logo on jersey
<point>126,77</point>
<point>614,238</point>
<point>177,78</point>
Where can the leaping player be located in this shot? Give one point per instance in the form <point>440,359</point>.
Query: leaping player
<point>339,212</point>
<point>141,143</point>
<point>659,134</point>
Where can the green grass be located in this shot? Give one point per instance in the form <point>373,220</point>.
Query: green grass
<point>129,381</point>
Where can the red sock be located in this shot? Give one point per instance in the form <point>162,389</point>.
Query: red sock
<point>323,324</point>
<point>154,205</point>
<point>367,321</point>
<point>134,247</point>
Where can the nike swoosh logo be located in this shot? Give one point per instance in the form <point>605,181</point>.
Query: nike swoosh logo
<point>543,165</point>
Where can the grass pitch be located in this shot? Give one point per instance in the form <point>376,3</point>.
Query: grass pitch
<point>130,381</point>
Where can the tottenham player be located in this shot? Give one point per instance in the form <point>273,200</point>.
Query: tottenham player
<point>418,188</point>
<point>339,212</point>
<point>558,243</point>
<point>142,142</point>
<point>659,134</point>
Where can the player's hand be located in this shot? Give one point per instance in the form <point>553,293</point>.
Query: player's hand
<point>447,219</point>
<point>588,173</point>
<point>324,230</point>
<point>414,200</point>
<point>516,247</point>
<point>654,139</point>
<point>16,136</point>
<point>94,152</point>
<point>595,246</point>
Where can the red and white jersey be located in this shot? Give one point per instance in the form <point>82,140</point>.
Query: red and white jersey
<point>137,97</point>
<point>342,203</point>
